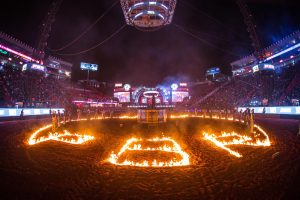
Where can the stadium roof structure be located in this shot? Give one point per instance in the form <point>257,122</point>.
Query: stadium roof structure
<point>148,14</point>
<point>281,53</point>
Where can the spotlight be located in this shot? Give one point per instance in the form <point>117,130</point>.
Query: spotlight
<point>127,87</point>
<point>174,86</point>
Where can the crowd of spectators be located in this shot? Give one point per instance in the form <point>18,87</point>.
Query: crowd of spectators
<point>29,89</point>
<point>227,96</point>
<point>251,91</point>
<point>33,89</point>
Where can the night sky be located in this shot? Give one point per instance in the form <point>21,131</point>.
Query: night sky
<point>151,58</point>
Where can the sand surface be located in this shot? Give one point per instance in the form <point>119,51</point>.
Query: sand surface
<point>55,170</point>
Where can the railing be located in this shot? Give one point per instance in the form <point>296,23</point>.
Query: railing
<point>290,87</point>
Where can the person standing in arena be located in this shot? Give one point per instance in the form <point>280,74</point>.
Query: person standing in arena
<point>210,114</point>
<point>58,118</point>
<point>264,112</point>
<point>88,114</point>
<point>245,116</point>
<point>69,115</point>
<point>251,120</point>
<point>65,116</point>
<point>196,112</point>
<point>22,115</point>
<point>233,114</point>
<point>78,114</point>
<point>240,115</point>
<point>299,130</point>
<point>54,121</point>
<point>96,114</point>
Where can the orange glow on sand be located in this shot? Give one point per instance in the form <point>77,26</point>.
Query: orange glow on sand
<point>66,137</point>
<point>238,139</point>
<point>135,144</point>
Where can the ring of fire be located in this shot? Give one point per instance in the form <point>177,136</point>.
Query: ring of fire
<point>138,145</point>
<point>238,139</point>
<point>66,137</point>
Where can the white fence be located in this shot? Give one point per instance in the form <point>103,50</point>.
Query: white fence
<point>13,112</point>
<point>282,110</point>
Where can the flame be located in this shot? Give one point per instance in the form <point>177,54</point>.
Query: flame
<point>175,148</point>
<point>179,116</point>
<point>66,137</point>
<point>127,117</point>
<point>69,138</point>
<point>203,116</point>
<point>60,136</point>
<point>241,140</point>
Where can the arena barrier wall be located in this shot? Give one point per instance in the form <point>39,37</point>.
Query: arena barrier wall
<point>282,110</point>
<point>14,112</point>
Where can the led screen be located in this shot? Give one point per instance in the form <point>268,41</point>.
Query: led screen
<point>284,110</point>
<point>88,66</point>
<point>178,96</point>
<point>124,97</point>
<point>13,112</point>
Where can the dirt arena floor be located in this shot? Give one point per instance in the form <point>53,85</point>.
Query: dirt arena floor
<point>55,170</point>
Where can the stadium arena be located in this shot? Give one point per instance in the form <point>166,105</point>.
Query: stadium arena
<point>83,126</point>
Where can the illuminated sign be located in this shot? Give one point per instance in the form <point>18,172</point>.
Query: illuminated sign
<point>3,52</point>
<point>174,86</point>
<point>118,85</point>
<point>14,112</point>
<point>178,96</point>
<point>127,87</point>
<point>24,68</point>
<point>88,66</point>
<point>150,94</point>
<point>17,53</point>
<point>140,4</point>
<point>124,97</point>
<point>37,67</point>
<point>255,68</point>
<point>268,67</point>
<point>68,73</point>
<point>183,84</point>
<point>33,67</point>
<point>213,71</point>
<point>283,52</point>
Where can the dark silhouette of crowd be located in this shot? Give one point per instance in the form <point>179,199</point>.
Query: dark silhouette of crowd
<point>34,89</point>
<point>249,91</point>
<point>29,89</point>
